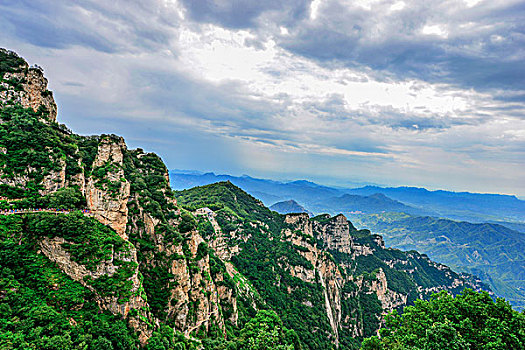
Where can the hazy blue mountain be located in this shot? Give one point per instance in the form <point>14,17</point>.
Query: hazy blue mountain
<point>474,207</point>
<point>516,226</point>
<point>355,204</point>
<point>268,191</point>
<point>493,252</point>
<point>313,197</point>
<point>288,207</point>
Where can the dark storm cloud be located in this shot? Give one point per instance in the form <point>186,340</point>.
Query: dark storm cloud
<point>483,47</point>
<point>47,24</point>
<point>109,27</point>
<point>244,13</point>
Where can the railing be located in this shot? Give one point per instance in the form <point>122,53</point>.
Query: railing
<point>86,212</point>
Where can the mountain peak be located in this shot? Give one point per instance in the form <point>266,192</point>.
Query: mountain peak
<point>25,86</point>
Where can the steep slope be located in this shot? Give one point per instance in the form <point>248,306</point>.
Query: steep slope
<point>327,280</point>
<point>491,251</point>
<point>147,264</point>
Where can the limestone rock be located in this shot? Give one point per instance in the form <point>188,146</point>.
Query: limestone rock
<point>335,233</point>
<point>107,197</point>
<point>52,248</point>
<point>33,93</point>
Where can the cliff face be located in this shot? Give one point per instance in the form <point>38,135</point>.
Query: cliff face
<point>107,190</point>
<point>319,239</point>
<point>168,270</point>
<point>27,87</point>
<point>324,272</point>
<point>53,249</point>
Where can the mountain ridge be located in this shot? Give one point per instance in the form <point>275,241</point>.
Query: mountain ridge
<point>467,206</point>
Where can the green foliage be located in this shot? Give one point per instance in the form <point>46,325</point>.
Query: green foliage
<point>33,147</point>
<point>166,339</point>
<point>226,197</point>
<point>11,192</point>
<point>88,241</point>
<point>187,222</point>
<point>43,308</point>
<point>64,198</point>
<point>10,62</point>
<point>266,332</point>
<point>471,320</point>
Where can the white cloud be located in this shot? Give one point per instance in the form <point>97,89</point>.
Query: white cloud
<point>435,29</point>
<point>314,8</point>
<point>398,6</point>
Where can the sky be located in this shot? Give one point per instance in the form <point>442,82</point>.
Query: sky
<point>410,92</point>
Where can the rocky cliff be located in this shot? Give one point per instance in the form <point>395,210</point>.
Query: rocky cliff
<point>169,277</point>
<point>26,86</point>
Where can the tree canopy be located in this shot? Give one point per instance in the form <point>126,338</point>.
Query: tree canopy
<point>471,320</point>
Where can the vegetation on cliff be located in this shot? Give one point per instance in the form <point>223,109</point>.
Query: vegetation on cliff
<point>41,307</point>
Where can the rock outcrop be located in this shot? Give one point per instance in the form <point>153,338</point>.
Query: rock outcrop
<point>53,249</point>
<point>335,233</point>
<point>27,87</point>
<point>107,190</point>
<point>325,271</point>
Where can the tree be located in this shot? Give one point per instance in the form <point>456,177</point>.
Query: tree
<point>471,320</point>
<point>266,332</point>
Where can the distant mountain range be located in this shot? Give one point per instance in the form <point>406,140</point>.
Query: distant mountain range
<point>351,204</point>
<point>472,207</point>
<point>268,191</point>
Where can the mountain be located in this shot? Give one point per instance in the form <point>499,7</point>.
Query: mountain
<point>315,198</point>
<point>463,206</point>
<point>327,280</point>
<point>354,204</point>
<point>288,207</point>
<point>473,207</point>
<point>491,251</point>
<point>98,252</point>
<point>268,191</point>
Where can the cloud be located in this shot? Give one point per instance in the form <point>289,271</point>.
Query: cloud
<point>477,47</point>
<point>245,13</point>
<point>109,27</point>
<point>403,92</point>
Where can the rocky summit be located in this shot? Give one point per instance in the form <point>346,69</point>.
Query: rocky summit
<point>98,252</point>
